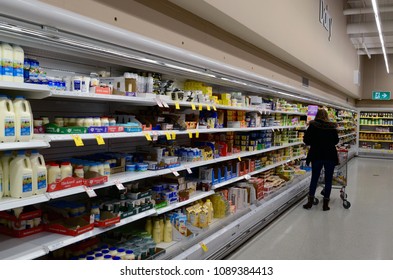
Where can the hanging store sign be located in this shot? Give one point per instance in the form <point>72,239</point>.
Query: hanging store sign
<point>324,18</point>
<point>381,95</point>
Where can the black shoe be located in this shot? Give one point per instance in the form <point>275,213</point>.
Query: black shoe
<point>310,202</point>
<point>325,206</point>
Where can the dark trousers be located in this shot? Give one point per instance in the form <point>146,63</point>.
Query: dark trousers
<point>316,172</point>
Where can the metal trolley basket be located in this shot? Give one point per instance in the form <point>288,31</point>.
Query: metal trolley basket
<point>339,178</point>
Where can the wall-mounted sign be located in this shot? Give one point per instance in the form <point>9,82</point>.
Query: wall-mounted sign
<point>324,17</point>
<point>381,95</point>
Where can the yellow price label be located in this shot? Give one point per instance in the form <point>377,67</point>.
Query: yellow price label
<point>197,134</point>
<point>100,140</point>
<point>148,137</point>
<point>190,134</point>
<point>239,158</point>
<point>193,106</point>
<point>177,105</point>
<point>208,107</point>
<point>78,140</point>
<point>214,107</point>
<point>204,247</point>
<point>173,135</point>
<point>200,107</point>
<point>168,136</point>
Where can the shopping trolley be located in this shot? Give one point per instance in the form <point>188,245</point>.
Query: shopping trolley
<point>339,178</point>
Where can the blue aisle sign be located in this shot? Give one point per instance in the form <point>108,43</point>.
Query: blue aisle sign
<point>381,95</point>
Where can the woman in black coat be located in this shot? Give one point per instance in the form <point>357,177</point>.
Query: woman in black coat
<point>322,137</point>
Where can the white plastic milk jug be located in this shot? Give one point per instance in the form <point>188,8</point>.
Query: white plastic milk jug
<point>40,184</point>
<point>5,162</point>
<point>23,119</point>
<point>19,60</point>
<point>7,120</point>
<point>7,61</point>
<point>21,176</point>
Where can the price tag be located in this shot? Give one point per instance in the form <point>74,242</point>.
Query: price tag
<point>90,192</point>
<point>159,103</point>
<point>165,104</point>
<point>175,173</point>
<point>190,134</point>
<point>155,136</point>
<point>193,106</point>
<point>78,140</point>
<point>100,140</point>
<point>148,137</point>
<point>239,158</point>
<point>168,136</point>
<point>214,107</point>
<point>173,135</point>
<point>197,134</point>
<point>177,105</point>
<point>188,169</point>
<point>247,177</point>
<point>120,186</point>
<point>204,247</point>
<point>208,107</point>
<point>200,107</point>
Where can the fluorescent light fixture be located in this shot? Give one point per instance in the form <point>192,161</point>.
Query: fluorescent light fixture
<point>378,21</point>
<point>188,70</point>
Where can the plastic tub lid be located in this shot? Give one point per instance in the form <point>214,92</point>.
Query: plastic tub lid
<point>107,257</point>
<point>90,258</point>
<point>116,258</point>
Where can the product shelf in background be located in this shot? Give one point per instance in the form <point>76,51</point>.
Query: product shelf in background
<point>7,203</point>
<point>194,197</point>
<point>386,118</point>
<point>346,135</point>
<point>390,125</point>
<point>20,249</point>
<point>362,131</point>
<point>33,144</point>
<point>375,151</point>
<point>382,141</point>
<point>92,136</point>
<point>30,91</point>
<point>150,100</point>
<point>246,176</point>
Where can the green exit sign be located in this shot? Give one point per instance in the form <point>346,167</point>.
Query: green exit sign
<point>381,95</point>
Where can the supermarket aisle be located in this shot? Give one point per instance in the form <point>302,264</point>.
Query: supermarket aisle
<point>363,232</point>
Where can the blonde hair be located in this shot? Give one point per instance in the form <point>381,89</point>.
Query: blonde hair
<point>322,115</point>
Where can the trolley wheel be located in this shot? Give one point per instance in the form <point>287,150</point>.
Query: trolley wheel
<point>343,196</point>
<point>346,204</point>
<point>316,201</point>
<point>323,192</point>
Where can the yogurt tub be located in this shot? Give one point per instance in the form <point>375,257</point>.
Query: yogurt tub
<point>141,166</point>
<point>130,167</point>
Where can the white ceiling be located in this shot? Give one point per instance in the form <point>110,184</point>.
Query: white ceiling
<point>362,29</point>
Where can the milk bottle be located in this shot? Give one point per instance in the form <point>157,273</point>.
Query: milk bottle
<point>7,120</point>
<point>19,59</point>
<point>5,162</point>
<point>23,119</point>
<point>7,57</point>
<point>39,173</point>
<point>21,176</point>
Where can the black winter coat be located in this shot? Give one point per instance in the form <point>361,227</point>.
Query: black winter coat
<point>322,137</point>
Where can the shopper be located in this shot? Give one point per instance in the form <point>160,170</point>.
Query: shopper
<point>322,137</point>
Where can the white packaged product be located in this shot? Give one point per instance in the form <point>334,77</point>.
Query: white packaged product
<point>18,64</point>
<point>40,182</point>
<point>21,176</point>
<point>7,120</point>
<point>23,119</point>
<point>7,61</point>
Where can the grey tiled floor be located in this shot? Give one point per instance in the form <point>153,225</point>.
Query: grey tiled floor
<point>365,231</point>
